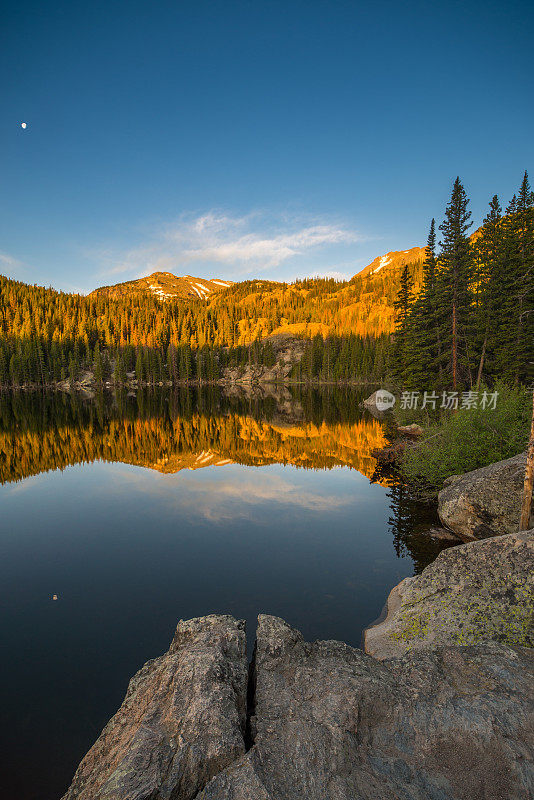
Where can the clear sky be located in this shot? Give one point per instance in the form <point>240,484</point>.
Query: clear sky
<point>241,139</point>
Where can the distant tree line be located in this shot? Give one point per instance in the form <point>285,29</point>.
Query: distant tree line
<point>473,319</point>
<point>32,361</point>
<point>343,358</point>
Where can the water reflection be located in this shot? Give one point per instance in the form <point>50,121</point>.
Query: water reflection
<point>194,429</point>
<point>191,430</point>
<point>135,511</point>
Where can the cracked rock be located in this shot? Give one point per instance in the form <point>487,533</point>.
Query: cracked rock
<point>326,722</point>
<point>181,722</point>
<point>335,724</point>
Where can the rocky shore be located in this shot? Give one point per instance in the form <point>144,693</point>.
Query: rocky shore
<point>321,721</point>
<point>481,591</point>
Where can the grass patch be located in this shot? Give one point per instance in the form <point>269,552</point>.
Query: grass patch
<point>467,439</point>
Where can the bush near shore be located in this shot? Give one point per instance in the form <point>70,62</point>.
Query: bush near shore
<point>469,438</point>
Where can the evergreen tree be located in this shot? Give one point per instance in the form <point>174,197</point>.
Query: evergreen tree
<point>99,374</point>
<point>524,287</point>
<point>403,304</point>
<point>489,269</point>
<point>424,345</point>
<point>454,295</point>
<point>139,370</point>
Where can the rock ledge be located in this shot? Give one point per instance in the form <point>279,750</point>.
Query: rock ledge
<point>484,502</point>
<point>475,592</point>
<point>326,722</point>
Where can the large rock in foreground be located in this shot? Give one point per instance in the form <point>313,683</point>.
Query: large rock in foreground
<point>470,593</point>
<point>331,723</point>
<point>484,502</point>
<point>326,722</point>
<point>182,720</point>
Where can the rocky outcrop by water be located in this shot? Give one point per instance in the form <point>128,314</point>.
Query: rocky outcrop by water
<point>471,593</point>
<point>325,722</point>
<point>486,501</point>
<point>182,721</point>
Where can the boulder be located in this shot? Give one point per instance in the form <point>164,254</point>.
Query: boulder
<point>325,722</point>
<point>412,430</point>
<point>182,720</point>
<point>486,501</point>
<point>330,723</point>
<point>379,402</point>
<point>470,593</point>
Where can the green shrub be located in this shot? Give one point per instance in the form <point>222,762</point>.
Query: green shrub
<point>469,438</point>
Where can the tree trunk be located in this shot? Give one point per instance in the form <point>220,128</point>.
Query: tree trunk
<point>454,348</point>
<point>529,479</point>
<point>482,357</point>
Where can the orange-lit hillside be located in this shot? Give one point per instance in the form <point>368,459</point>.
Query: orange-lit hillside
<point>199,441</point>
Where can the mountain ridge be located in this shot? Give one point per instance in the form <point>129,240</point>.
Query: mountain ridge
<point>168,286</point>
<point>395,259</point>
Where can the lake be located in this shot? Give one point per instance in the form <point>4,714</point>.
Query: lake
<point>122,514</point>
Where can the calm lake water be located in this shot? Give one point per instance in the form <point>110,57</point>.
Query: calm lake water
<point>136,511</point>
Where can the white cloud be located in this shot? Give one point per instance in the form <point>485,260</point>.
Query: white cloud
<point>243,245</point>
<point>8,262</point>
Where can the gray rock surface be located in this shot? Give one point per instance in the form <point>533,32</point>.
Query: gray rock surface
<point>373,404</point>
<point>484,502</point>
<point>182,720</point>
<point>326,722</point>
<point>331,723</point>
<point>475,592</point>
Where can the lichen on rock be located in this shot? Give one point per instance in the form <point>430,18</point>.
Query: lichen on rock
<point>475,592</point>
<point>325,721</point>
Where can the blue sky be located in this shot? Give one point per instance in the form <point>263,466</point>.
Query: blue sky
<point>242,139</point>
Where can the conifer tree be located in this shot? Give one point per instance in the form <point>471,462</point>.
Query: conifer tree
<point>99,373</point>
<point>139,365</point>
<point>423,331</point>
<point>515,325</point>
<point>524,343</point>
<point>403,305</point>
<point>488,273</point>
<point>456,263</point>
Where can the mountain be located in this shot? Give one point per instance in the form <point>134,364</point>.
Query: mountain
<point>143,326</point>
<point>393,260</point>
<point>47,336</point>
<point>166,286</point>
<point>260,308</point>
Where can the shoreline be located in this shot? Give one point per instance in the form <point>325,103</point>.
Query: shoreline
<point>133,385</point>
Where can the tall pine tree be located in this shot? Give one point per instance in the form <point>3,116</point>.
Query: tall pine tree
<point>402,357</point>
<point>454,296</point>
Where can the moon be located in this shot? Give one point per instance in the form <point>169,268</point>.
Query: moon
<point>22,124</point>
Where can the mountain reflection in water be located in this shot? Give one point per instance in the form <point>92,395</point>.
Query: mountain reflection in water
<point>185,430</point>
<point>122,514</point>
<point>198,428</point>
